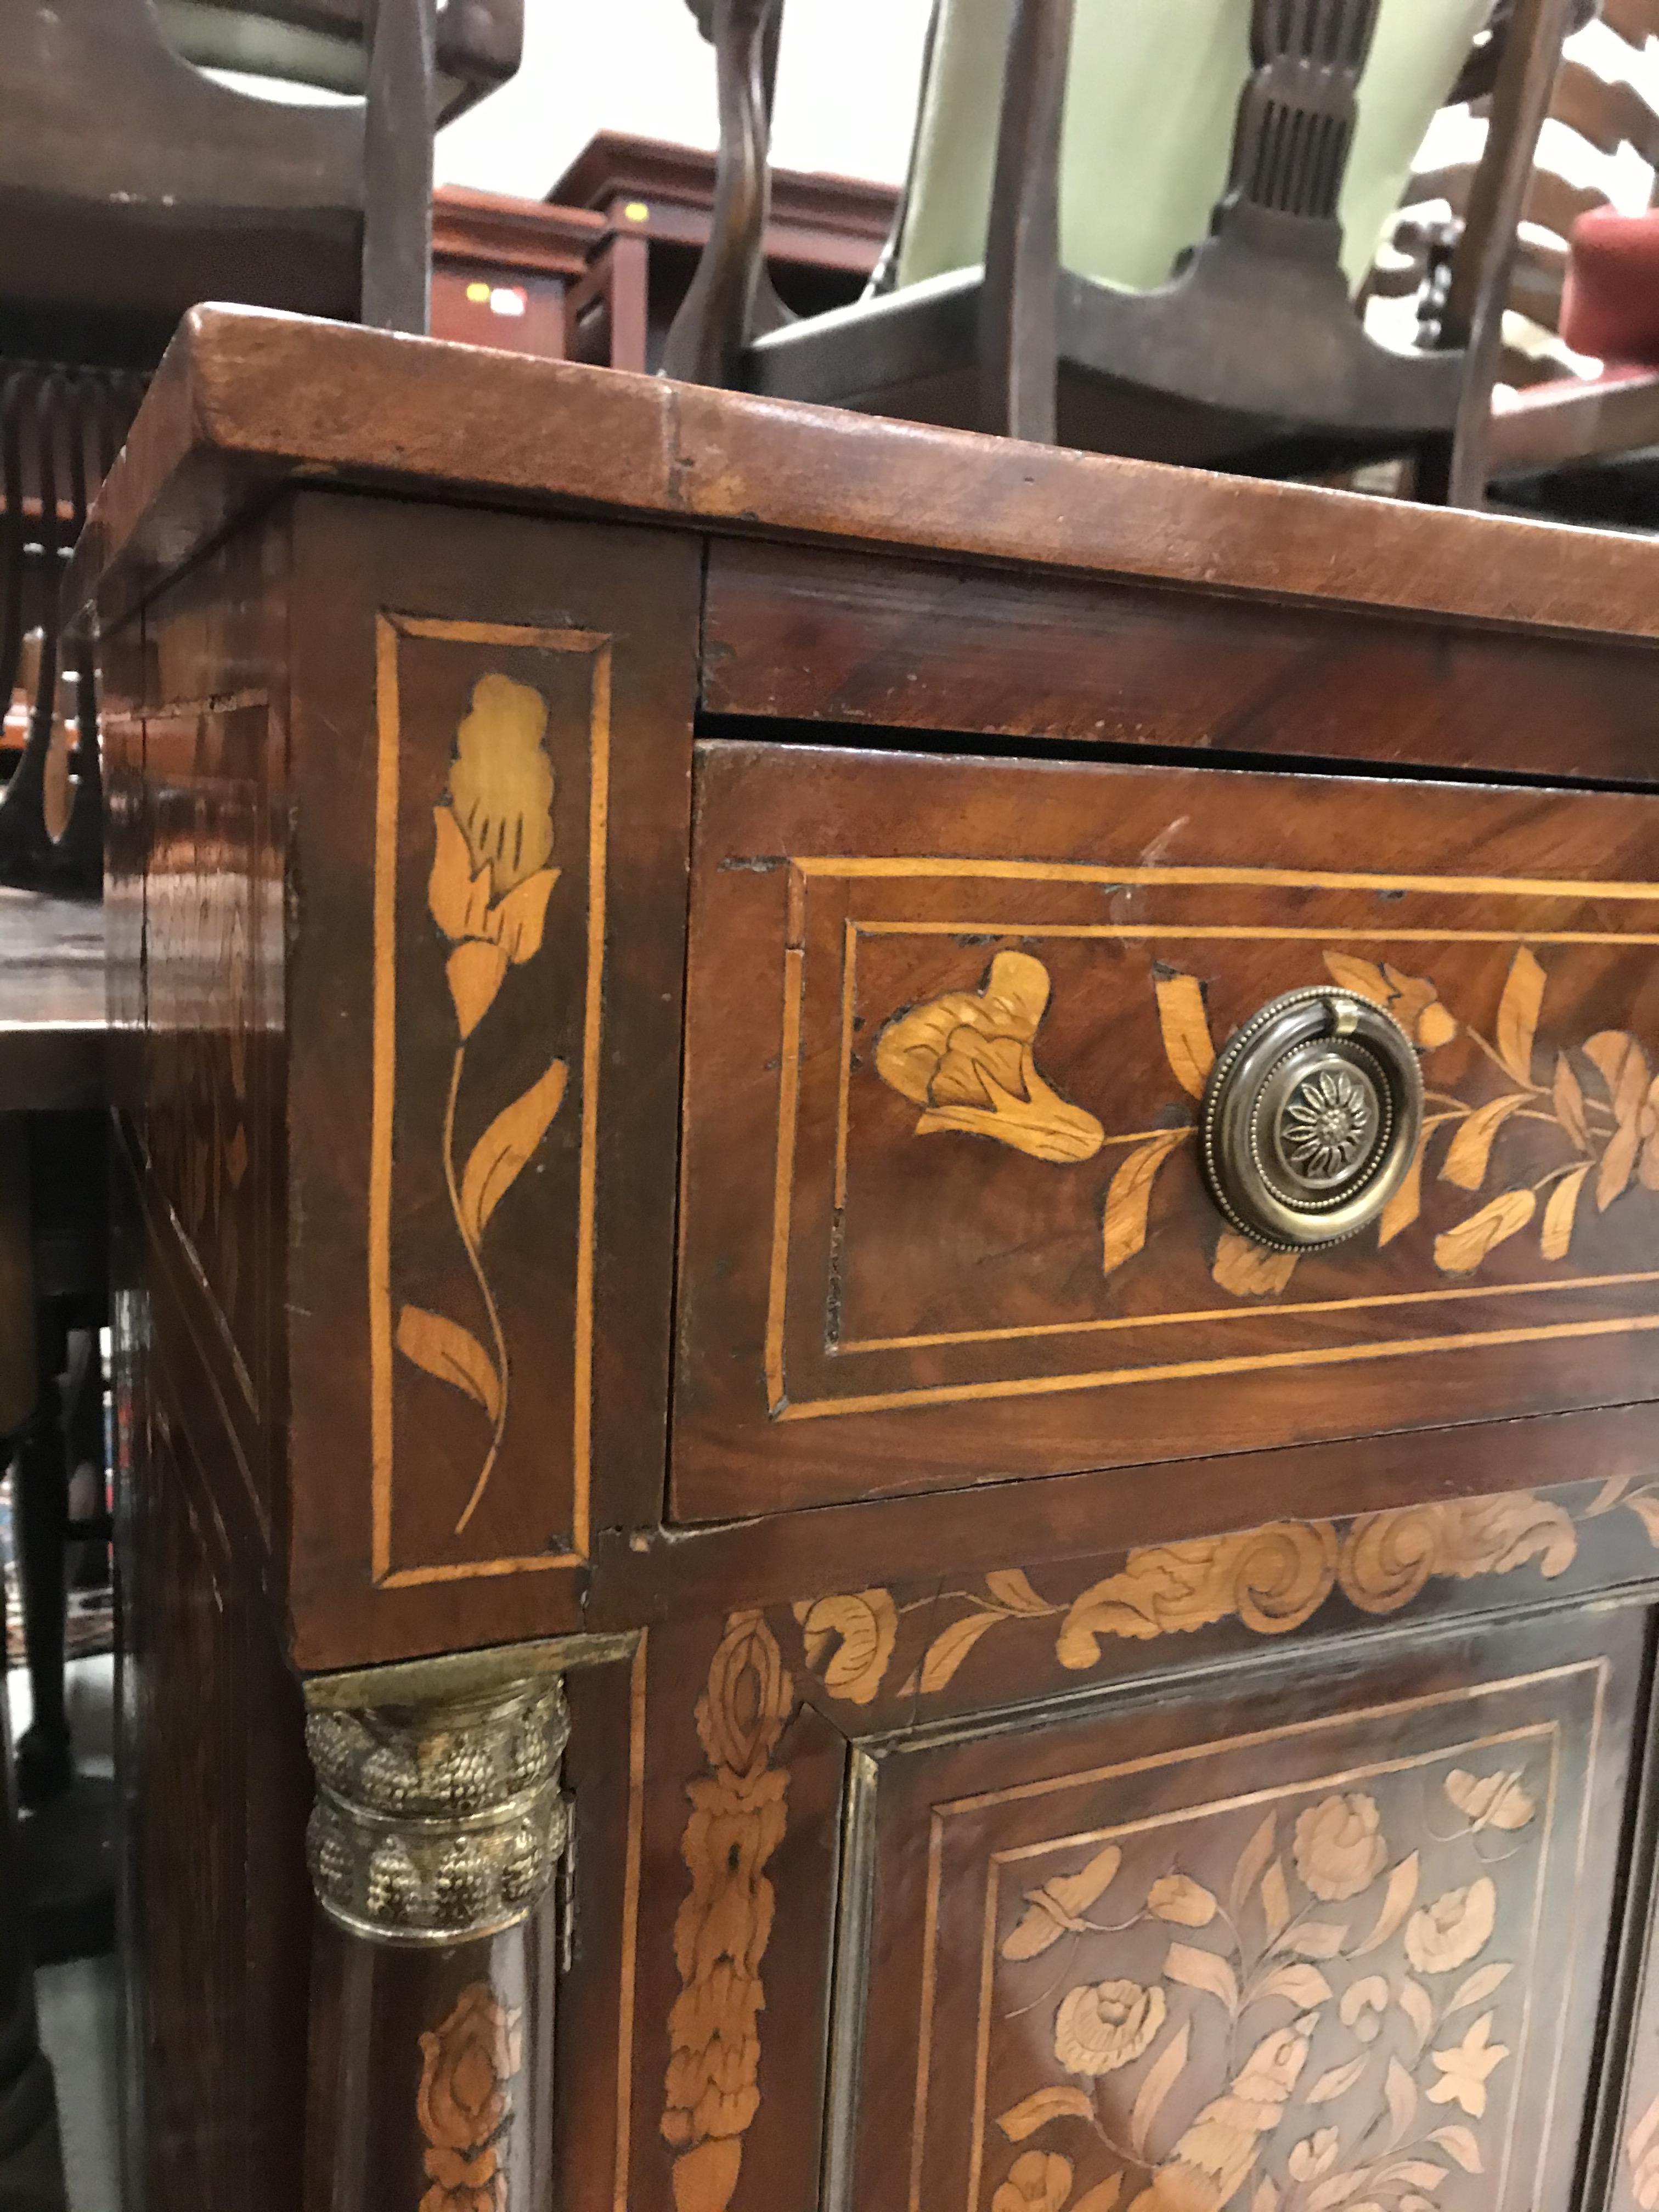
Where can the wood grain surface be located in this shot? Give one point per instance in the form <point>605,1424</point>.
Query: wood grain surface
<point>246,400</point>
<point>948,1023</point>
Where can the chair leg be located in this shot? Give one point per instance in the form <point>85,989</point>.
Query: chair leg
<point>45,1764</point>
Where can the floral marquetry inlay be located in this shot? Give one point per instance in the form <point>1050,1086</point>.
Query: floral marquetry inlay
<point>1313,2006</point>
<point>469,2080</point>
<point>488,893</point>
<point>968,1059</point>
<point>1272,1580</point>
<point>739,1810</point>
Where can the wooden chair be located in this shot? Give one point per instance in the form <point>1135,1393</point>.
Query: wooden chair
<point>1122,283</point>
<point>1594,114</point>
<point>132,186</point>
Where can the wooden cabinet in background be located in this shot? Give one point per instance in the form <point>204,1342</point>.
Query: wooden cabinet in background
<point>860,1643</point>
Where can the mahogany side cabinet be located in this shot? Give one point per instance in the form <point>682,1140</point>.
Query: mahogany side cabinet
<point>888,1314</point>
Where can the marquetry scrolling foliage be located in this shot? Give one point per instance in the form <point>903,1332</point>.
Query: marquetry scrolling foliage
<point>739,1811</point>
<point>469,2071</point>
<point>1270,1580</point>
<point>967,1059</point>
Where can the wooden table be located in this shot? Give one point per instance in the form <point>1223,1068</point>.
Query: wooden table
<point>726,996</point>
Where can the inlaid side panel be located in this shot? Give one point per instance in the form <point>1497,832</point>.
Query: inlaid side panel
<point>492,771</point>
<point>949,1028</point>
<point>1299,1941</point>
<point>197,824</point>
<point>215,1908</point>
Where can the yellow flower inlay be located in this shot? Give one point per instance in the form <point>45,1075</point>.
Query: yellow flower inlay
<point>1464,2069</point>
<point>492,835</point>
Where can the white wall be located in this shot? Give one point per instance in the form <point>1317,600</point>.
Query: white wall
<point>847,89</point>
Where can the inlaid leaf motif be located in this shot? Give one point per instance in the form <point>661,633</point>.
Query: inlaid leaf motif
<point>1459,1251</point>
<point>1470,1150</point>
<point>1203,1970</point>
<point>1609,1495</point>
<point>1129,1198</point>
<point>1249,1270</point>
<point>1337,2189</point>
<point>1252,1863</point>
<point>1266,2199</point>
<point>1405,1202</point>
<point>1517,1015</point>
<point>1337,2082</point>
<point>1275,1898</point>
<point>1569,1102</point>
<point>1056,1908</point>
<point>848,1641</point>
<point>1313,1939</point>
<point>1623,1065</point>
<point>1165,2071</point>
<point>1556,1234</point>
<point>951,1646</point>
<point>1186,1027</point>
<point>1480,1986</point>
<point>1461,2145</point>
<point>1398,1898</point>
<point>1418,2008</point>
<point>1420,2172</point>
<point>1609,1052</point>
<point>501,1153</point>
<point>1010,1588</point>
<point>1305,1985</point>
<point>1400,2090</point>
<point>1064,2102</point>
<point>442,1347</point>
<point>1102,2196</point>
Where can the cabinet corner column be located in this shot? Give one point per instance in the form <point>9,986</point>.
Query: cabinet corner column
<point>439,1826</point>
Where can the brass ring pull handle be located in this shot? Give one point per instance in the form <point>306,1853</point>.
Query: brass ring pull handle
<point>1310,1118</point>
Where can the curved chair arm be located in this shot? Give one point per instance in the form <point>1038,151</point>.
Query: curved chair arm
<point>717,317</point>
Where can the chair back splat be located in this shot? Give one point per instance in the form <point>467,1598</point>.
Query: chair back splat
<point>1143,231</point>
<point>132,186</point>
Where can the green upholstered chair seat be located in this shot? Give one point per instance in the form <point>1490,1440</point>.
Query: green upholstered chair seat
<point>1151,94</point>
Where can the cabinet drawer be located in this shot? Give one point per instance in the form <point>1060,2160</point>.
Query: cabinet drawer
<point>948,1023</point>
<point>1311,1939</point>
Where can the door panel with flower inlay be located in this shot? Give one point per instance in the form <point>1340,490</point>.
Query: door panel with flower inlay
<point>1295,1941</point>
<point>949,1029</point>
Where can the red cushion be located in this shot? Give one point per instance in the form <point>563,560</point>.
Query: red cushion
<point>1610,307</point>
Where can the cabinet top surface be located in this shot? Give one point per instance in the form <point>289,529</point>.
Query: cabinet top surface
<point>246,400</point>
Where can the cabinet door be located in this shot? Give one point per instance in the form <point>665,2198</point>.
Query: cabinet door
<point>1293,1939</point>
<point>949,1024</point>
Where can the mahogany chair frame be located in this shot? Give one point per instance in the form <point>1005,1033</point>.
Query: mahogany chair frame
<point>1198,370</point>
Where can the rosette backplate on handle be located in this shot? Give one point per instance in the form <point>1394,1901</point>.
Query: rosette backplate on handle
<point>1310,1119</point>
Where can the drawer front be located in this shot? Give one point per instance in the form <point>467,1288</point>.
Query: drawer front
<point>948,1025</point>
<point>1302,1940</point>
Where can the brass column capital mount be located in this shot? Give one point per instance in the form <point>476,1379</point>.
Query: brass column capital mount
<point>439,1816</point>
